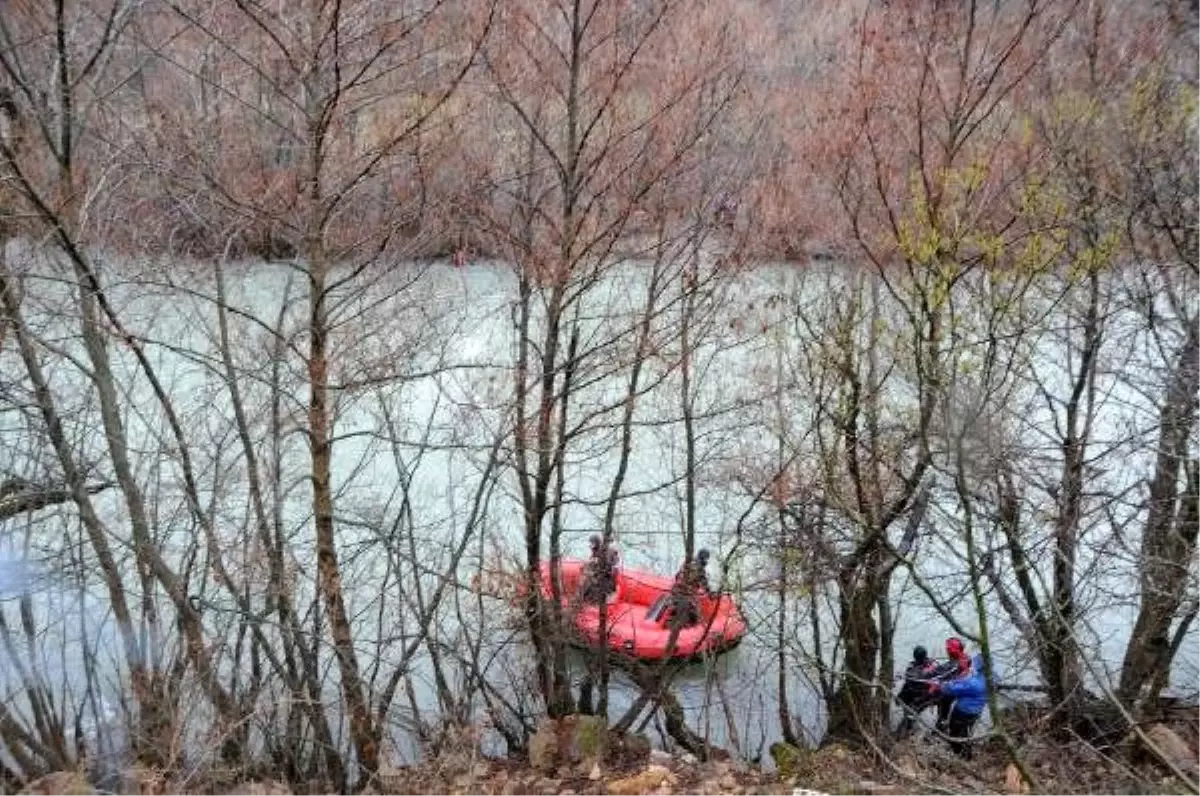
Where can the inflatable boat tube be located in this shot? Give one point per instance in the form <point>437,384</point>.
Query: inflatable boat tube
<point>631,632</point>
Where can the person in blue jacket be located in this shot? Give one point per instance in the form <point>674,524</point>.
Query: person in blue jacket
<point>968,695</point>
<point>958,663</point>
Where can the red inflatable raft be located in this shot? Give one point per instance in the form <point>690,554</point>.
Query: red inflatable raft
<point>721,625</point>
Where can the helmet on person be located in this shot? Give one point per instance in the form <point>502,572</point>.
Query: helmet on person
<point>954,648</point>
<point>702,556</point>
<point>920,655</point>
<point>594,541</point>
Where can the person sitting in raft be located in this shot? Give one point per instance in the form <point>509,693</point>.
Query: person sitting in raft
<point>600,575</point>
<point>614,563</point>
<point>681,605</point>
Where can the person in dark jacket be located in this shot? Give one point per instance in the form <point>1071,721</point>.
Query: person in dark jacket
<point>915,694</point>
<point>681,605</point>
<point>693,578</point>
<point>600,576</point>
<point>690,582</point>
<point>967,697</point>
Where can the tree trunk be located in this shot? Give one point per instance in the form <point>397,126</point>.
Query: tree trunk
<point>1059,650</point>
<point>328,569</point>
<point>786,727</point>
<point>854,711</point>
<point>97,534</point>
<point>1169,536</point>
<point>154,723</point>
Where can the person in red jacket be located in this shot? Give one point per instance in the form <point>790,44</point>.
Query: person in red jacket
<point>956,653</point>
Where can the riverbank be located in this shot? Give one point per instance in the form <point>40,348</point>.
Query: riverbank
<point>573,756</point>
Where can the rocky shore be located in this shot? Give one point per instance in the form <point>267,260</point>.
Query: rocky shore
<point>577,755</point>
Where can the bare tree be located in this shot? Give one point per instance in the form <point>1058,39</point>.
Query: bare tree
<point>922,162</point>
<point>323,72</point>
<point>600,139</point>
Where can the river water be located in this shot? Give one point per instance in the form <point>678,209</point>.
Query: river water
<point>425,353</point>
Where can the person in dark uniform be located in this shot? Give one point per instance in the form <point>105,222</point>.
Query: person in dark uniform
<point>600,575</point>
<point>681,605</point>
<point>915,694</point>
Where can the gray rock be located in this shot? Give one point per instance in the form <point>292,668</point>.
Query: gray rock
<point>569,741</point>
<point>1168,747</point>
<point>660,757</point>
<point>543,747</point>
